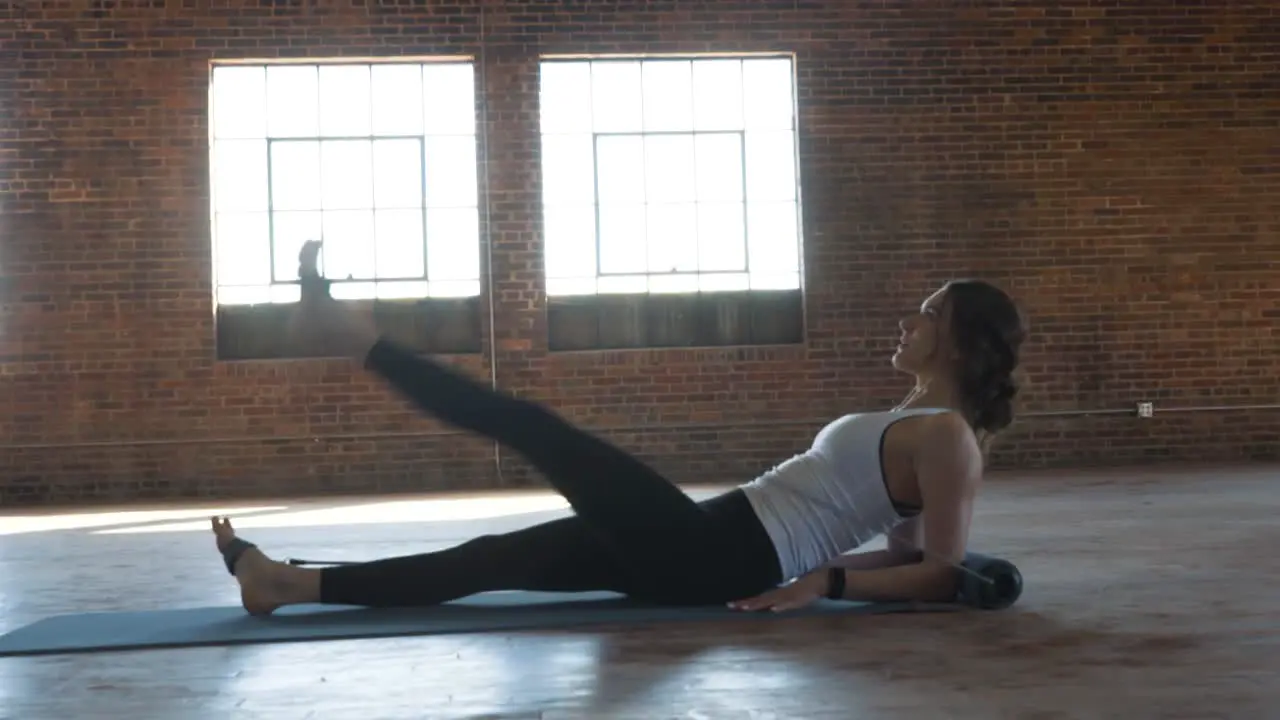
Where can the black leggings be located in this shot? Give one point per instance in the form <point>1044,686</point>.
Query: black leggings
<point>633,532</point>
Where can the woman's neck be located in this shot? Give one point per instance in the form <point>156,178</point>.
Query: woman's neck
<point>929,395</point>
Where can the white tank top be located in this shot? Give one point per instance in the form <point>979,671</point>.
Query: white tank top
<point>831,498</point>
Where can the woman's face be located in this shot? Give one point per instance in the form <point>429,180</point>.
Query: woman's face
<point>924,337</point>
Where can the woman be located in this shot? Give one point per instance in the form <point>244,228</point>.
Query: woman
<point>775,543</point>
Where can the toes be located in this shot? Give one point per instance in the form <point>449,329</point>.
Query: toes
<point>222,526</point>
<point>308,258</point>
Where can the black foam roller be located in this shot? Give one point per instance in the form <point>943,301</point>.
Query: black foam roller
<point>998,587</point>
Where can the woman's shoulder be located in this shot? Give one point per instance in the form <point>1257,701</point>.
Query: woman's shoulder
<point>944,425</point>
<point>947,442</point>
<point>940,436</point>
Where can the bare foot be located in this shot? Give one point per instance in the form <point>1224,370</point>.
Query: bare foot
<point>265,585</point>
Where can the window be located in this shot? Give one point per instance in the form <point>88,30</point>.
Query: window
<point>377,160</point>
<point>669,175</point>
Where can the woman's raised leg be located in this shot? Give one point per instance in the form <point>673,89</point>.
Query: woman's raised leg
<point>618,495</point>
<point>635,509</point>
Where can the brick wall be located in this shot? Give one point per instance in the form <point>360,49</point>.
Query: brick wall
<point>1115,164</point>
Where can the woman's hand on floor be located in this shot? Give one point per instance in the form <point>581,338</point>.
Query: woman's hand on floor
<point>792,596</point>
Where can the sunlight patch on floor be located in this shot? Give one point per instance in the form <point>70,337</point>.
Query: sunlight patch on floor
<point>22,524</point>
<point>399,511</point>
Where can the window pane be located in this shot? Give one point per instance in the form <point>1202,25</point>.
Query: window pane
<point>397,99</point>
<point>568,173</point>
<point>725,282</point>
<point>768,98</point>
<point>399,244</point>
<point>449,97</point>
<point>615,96</point>
<point>673,238</point>
<point>345,102</point>
<point>286,293</point>
<point>295,175</point>
<point>622,239</point>
<point>673,283</point>
<point>293,101</point>
<point>239,102</point>
<point>245,295</point>
<point>717,92</point>
<point>455,288</point>
<point>560,287</point>
<point>722,238</point>
<point>719,167</point>
<point>773,238</point>
<point>564,91</point>
<point>620,169</point>
<point>451,171</point>
<point>289,231</point>
<point>668,95</point>
<point>240,175</point>
<point>669,169</point>
<point>771,166</point>
<point>346,174</point>
<point>397,174</point>
<point>776,281</point>
<point>403,290</point>
<point>348,244</point>
<point>453,244</point>
<point>622,284</point>
<point>243,249</point>
<point>570,241</point>
<point>354,291</point>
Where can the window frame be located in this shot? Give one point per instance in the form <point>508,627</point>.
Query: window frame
<point>591,60</point>
<point>286,291</point>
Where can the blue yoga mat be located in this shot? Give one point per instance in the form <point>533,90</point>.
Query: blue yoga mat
<point>487,612</point>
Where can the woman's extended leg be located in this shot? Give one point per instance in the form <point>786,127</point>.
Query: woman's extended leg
<point>653,526</point>
<point>557,556</point>
<point>661,532</point>
<point>564,555</point>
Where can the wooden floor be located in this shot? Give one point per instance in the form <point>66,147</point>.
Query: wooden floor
<point>1149,595</point>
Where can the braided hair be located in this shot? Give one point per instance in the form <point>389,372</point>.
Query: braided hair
<point>987,332</point>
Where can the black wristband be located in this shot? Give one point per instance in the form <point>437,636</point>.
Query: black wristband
<point>835,583</point>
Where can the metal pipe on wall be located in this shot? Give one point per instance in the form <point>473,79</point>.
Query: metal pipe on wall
<point>1214,408</point>
<point>482,68</point>
<point>814,422</point>
<point>1156,410</point>
<point>1074,413</point>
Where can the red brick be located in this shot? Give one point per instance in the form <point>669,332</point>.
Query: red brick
<point>1115,165</point>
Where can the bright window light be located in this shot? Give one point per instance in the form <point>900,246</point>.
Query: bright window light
<point>378,160</point>
<point>670,175</point>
